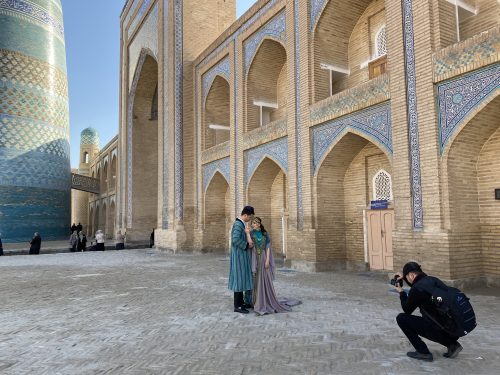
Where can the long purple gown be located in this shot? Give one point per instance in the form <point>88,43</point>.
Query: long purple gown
<point>264,295</point>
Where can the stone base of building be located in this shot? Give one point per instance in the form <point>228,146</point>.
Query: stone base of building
<point>326,266</point>
<point>172,240</point>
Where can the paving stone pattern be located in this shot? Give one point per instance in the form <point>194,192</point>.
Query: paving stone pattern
<point>143,312</point>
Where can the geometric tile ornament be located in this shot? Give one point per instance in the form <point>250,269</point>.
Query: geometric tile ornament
<point>273,29</point>
<point>145,38</point>
<point>222,69</point>
<point>138,17</point>
<point>374,122</point>
<point>35,174</point>
<point>166,112</point>
<point>178,105</point>
<point>89,136</point>
<point>31,12</point>
<point>316,8</point>
<point>276,150</point>
<point>411,98</point>
<point>298,128</point>
<point>481,50</point>
<point>364,95</point>
<point>459,97</point>
<point>223,166</point>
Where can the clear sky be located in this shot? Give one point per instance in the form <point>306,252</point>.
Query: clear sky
<point>92,33</point>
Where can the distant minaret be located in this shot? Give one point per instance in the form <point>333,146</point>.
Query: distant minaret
<point>89,148</point>
<point>35,179</point>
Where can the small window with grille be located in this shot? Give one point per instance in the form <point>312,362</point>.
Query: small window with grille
<point>381,42</point>
<point>382,186</point>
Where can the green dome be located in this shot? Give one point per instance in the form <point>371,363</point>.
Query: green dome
<point>89,136</point>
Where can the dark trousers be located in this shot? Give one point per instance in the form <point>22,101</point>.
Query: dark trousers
<point>415,326</point>
<point>238,299</point>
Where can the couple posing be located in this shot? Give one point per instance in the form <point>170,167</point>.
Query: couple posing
<point>251,269</point>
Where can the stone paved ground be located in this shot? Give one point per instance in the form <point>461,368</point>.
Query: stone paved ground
<point>141,312</point>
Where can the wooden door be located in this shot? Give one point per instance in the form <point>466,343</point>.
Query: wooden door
<point>380,228</point>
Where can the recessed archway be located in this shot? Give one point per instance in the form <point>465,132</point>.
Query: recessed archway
<point>216,118</point>
<point>268,193</point>
<point>112,181</point>
<point>145,145</point>
<point>471,173</point>
<point>217,214</point>
<point>266,93</point>
<point>344,41</point>
<point>110,223</point>
<point>344,188</point>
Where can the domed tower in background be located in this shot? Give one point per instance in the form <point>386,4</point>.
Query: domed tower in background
<point>35,180</point>
<point>89,148</point>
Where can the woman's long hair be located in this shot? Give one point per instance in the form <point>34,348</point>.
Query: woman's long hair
<point>262,229</point>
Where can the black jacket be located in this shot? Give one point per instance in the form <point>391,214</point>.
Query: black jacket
<point>417,297</point>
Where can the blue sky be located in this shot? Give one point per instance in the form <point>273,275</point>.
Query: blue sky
<point>92,33</point>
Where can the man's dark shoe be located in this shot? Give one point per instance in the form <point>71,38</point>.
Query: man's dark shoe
<point>422,356</point>
<point>241,310</point>
<point>453,350</point>
<point>247,306</point>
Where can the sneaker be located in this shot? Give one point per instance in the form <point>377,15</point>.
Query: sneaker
<point>453,350</point>
<point>422,356</point>
<point>247,306</point>
<point>241,310</point>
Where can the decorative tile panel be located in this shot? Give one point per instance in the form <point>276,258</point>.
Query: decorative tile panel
<point>361,96</point>
<point>316,9</point>
<point>274,29</point>
<point>138,17</point>
<point>460,97</point>
<point>298,122</point>
<point>223,166</point>
<point>89,136</point>
<point>274,130</point>
<point>178,105</point>
<point>146,39</point>
<point>222,69</point>
<point>35,173</point>
<point>480,50</point>
<point>33,13</point>
<point>276,150</point>
<point>411,97</point>
<point>37,75</point>
<point>24,134</point>
<point>374,122</point>
<point>166,115</point>
<point>217,152</point>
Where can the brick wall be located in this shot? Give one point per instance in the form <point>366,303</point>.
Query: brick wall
<point>217,111</point>
<point>217,216</point>
<point>266,82</point>
<point>145,156</point>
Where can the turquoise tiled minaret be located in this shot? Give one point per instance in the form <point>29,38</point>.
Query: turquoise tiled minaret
<point>35,175</point>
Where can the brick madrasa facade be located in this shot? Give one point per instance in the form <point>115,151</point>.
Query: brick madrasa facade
<point>310,110</point>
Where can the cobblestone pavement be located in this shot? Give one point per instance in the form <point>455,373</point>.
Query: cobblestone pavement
<point>142,312</point>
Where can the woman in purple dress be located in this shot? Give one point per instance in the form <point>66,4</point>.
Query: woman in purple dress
<point>264,296</point>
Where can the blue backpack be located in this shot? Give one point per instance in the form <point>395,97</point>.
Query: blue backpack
<point>452,310</point>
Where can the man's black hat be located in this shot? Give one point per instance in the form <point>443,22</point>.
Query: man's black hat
<point>411,267</point>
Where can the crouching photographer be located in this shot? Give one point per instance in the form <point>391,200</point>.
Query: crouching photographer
<point>446,312</point>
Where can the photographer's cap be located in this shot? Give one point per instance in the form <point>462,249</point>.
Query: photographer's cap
<point>411,267</point>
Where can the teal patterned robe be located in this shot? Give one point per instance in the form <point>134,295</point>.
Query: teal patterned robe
<point>240,266</point>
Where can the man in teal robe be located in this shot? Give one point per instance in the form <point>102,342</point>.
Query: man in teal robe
<point>240,266</point>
